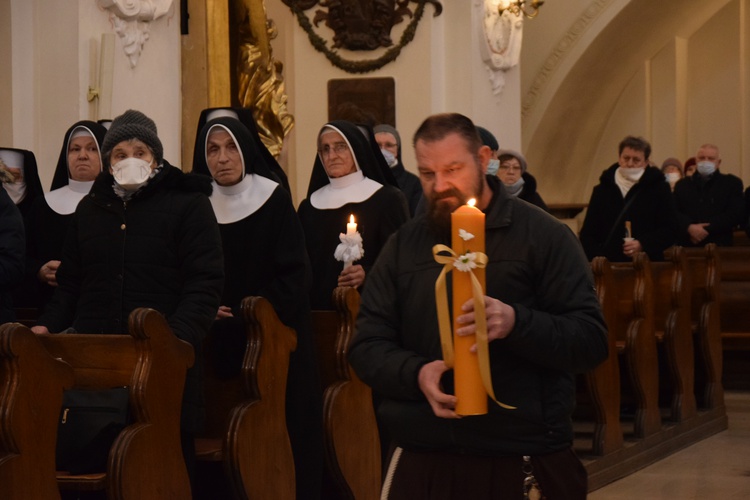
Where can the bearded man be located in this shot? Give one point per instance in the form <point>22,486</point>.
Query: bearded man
<point>544,324</point>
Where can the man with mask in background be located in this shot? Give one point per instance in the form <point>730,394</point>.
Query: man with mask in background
<point>709,203</point>
<point>631,208</point>
<point>389,141</point>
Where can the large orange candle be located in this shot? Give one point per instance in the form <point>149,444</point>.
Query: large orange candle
<point>470,393</point>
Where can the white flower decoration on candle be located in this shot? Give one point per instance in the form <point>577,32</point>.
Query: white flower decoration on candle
<point>465,235</point>
<point>466,262</point>
<point>350,248</point>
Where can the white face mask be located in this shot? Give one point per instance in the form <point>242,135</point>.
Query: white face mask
<point>131,173</point>
<point>390,159</point>
<point>632,174</point>
<point>706,168</point>
<point>16,191</point>
<point>672,177</point>
<point>492,166</point>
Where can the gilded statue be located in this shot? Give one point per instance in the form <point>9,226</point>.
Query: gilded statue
<point>260,84</point>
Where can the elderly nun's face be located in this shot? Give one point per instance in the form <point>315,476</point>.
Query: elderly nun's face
<point>335,154</point>
<point>84,162</point>
<point>223,158</point>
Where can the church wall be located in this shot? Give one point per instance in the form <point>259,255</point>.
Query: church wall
<point>673,71</point>
<point>6,95</point>
<point>50,76</point>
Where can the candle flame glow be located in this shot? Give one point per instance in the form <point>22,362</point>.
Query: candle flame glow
<point>472,202</point>
<point>351,219</point>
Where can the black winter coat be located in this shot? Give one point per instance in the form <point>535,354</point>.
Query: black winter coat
<point>716,200</point>
<point>651,214</point>
<point>409,184</point>
<point>161,249</point>
<point>536,266</point>
<point>12,251</point>
<point>529,193</point>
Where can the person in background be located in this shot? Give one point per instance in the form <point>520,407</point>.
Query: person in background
<point>709,203</point>
<point>489,140</point>
<point>12,248</point>
<point>145,236</point>
<point>541,331</point>
<point>513,172</point>
<point>631,209</point>
<point>245,116</point>
<point>25,186</point>
<point>672,170</point>
<point>349,177</point>
<point>264,255</point>
<point>389,141</point>
<point>690,166</point>
<point>50,216</point>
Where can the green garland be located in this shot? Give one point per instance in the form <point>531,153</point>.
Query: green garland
<point>367,65</point>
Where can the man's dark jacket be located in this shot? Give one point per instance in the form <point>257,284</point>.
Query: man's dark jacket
<point>651,214</point>
<point>535,265</point>
<point>716,200</point>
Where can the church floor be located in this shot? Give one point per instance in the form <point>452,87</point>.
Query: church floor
<point>715,468</point>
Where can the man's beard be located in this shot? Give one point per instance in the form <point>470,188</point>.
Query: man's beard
<point>439,212</point>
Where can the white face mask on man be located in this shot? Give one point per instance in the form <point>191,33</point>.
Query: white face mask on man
<point>632,174</point>
<point>706,168</point>
<point>131,173</point>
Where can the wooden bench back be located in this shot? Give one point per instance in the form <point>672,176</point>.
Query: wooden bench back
<point>635,330</point>
<point>246,423</point>
<point>674,330</point>
<point>31,391</point>
<point>145,461</point>
<point>603,382</point>
<point>704,265</point>
<point>353,455</point>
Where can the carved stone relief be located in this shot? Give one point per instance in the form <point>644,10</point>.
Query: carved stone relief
<point>131,20</point>
<point>501,37</point>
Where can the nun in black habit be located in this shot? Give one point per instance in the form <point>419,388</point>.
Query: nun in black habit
<point>350,177</point>
<point>27,187</point>
<point>49,217</point>
<point>245,116</point>
<point>264,254</point>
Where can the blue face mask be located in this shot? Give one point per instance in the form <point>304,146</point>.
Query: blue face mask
<point>492,166</point>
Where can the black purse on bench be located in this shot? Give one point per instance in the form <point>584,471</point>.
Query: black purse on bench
<point>90,421</point>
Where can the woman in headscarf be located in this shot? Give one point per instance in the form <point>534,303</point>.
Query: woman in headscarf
<point>350,177</point>
<point>145,236</point>
<point>264,254</point>
<point>48,219</point>
<point>512,171</point>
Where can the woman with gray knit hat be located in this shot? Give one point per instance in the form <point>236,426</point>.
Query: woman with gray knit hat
<point>517,181</point>
<point>145,236</point>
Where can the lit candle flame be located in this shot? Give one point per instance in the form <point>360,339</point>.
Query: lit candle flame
<point>351,219</point>
<point>472,202</point>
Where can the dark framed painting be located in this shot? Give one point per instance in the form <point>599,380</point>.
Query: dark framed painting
<point>371,101</point>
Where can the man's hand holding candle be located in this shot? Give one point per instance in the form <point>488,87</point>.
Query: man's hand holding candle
<point>501,318</point>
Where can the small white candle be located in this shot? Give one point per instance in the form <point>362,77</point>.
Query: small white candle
<point>351,226</point>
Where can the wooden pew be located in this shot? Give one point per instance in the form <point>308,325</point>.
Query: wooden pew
<point>674,330</point>
<point>353,456</point>
<point>145,461</point>
<point>603,382</point>
<point>634,331</point>
<point>31,391</point>
<point>705,265</point>
<point>246,424</point>
<point>735,297</point>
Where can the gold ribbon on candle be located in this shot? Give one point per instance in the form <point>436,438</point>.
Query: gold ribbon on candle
<point>480,318</point>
